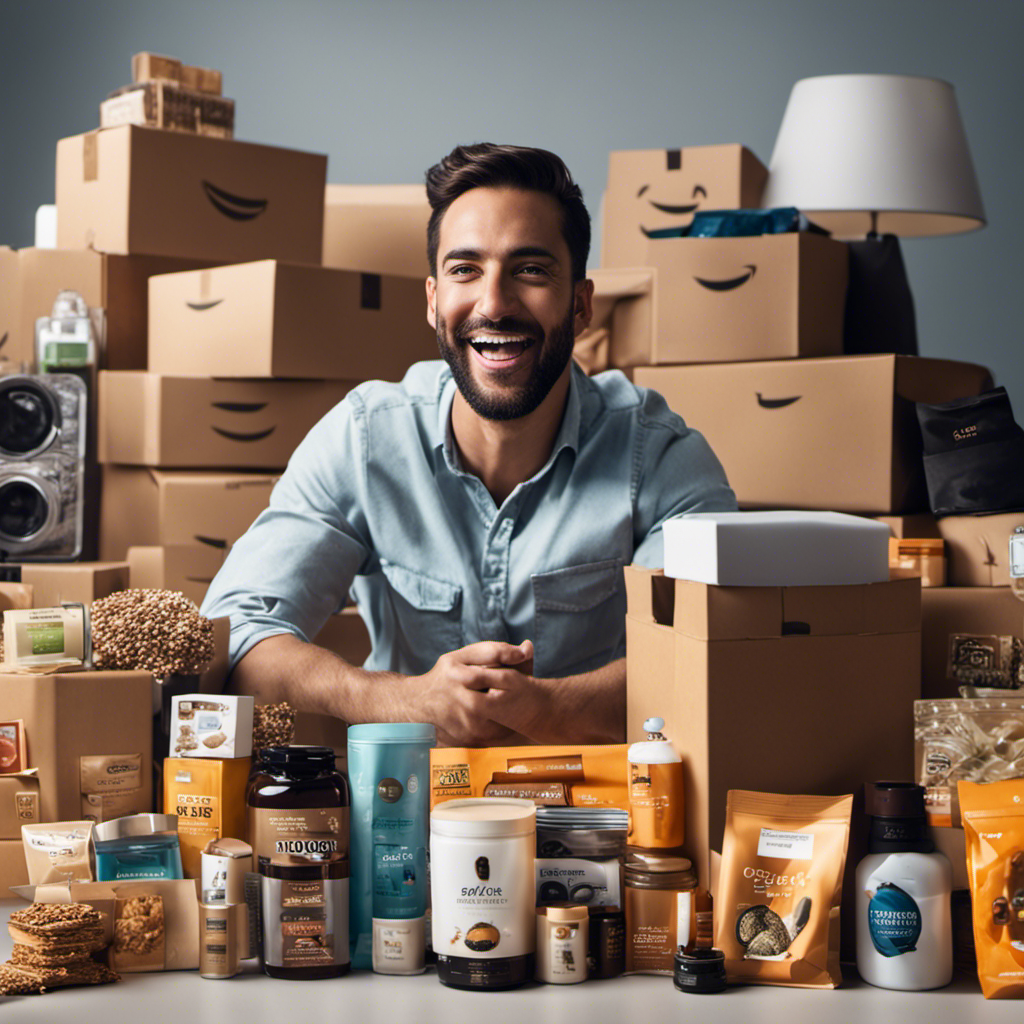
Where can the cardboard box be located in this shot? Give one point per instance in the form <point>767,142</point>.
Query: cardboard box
<point>175,422</point>
<point>14,353</point>
<point>653,189</point>
<point>13,869</point>
<point>15,595</point>
<point>919,526</point>
<point>737,299</point>
<point>623,320</point>
<point>978,548</point>
<point>966,611</point>
<point>838,434</point>
<point>145,507</point>
<point>132,189</point>
<point>55,582</point>
<point>19,802</point>
<point>208,797</point>
<point>71,715</point>
<point>171,107</point>
<point>186,568</point>
<point>271,319</point>
<point>773,688</point>
<point>147,67</point>
<point>119,285</point>
<point>379,229</point>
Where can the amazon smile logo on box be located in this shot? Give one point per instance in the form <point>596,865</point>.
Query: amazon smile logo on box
<point>234,206</point>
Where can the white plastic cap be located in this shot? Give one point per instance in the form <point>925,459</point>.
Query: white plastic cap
<point>654,725</point>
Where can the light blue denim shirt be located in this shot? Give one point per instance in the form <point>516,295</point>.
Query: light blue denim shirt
<point>374,502</point>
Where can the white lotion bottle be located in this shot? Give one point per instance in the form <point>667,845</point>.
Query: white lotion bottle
<point>655,791</point>
<point>904,931</point>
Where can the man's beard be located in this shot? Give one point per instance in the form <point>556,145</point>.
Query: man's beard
<point>511,402</point>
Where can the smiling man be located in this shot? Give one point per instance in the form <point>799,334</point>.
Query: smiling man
<point>480,511</point>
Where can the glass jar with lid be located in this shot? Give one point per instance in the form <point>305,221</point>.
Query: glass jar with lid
<point>661,910</point>
<point>137,846</point>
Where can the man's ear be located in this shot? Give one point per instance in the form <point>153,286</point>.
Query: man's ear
<point>432,302</point>
<point>583,308</point>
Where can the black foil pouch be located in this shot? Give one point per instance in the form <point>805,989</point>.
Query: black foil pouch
<point>973,455</point>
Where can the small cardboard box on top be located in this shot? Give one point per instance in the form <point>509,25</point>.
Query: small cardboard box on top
<point>379,229</point>
<point>142,190</point>
<point>119,285</point>
<point>54,582</point>
<point>272,319</point>
<point>145,507</point>
<point>990,621</point>
<point>654,189</point>
<point>781,689</point>
<point>622,327</point>
<point>147,419</point>
<point>835,434</point>
<point>79,714</point>
<point>978,548</point>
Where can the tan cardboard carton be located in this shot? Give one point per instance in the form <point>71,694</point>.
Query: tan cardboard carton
<point>16,595</point>
<point>379,229</point>
<point>13,869</point>
<point>19,802</point>
<point>923,525</point>
<point>147,419</point>
<point>145,507</point>
<point>149,67</point>
<point>272,319</point>
<point>55,582</point>
<point>979,612</point>
<point>978,548</point>
<point>654,189</point>
<point>119,285</point>
<point>186,568</point>
<point>777,688</point>
<point>14,352</point>
<point>131,189</point>
<point>836,434</point>
<point>75,714</point>
<point>621,331</point>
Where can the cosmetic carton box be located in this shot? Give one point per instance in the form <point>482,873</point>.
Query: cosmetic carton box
<point>379,229</point>
<point>211,725</point>
<point>622,327</point>
<point>56,582</point>
<point>782,689</point>
<point>147,419</point>
<point>144,507</point>
<point>271,319</point>
<point>14,349</point>
<point>19,802</point>
<point>776,549</point>
<point>117,285</point>
<point>966,631</point>
<point>13,869</point>
<point>834,434</point>
<point>978,548</point>
<point>922,525</point>
<point>658,189</point>
<point>78,714</point>
<point>208,796</point>
<point>132,189</point>
<point>186,568</point>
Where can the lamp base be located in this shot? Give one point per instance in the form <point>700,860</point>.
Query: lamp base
<point>879,315</point>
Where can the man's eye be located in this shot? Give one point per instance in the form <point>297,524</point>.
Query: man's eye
<point>533,270</point>
<point>461,270</point>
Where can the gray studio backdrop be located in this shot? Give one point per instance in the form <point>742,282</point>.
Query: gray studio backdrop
<point>386,87</point>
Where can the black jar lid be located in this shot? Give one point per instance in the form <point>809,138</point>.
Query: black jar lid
<point>702,971</point>
<point>297,758</point>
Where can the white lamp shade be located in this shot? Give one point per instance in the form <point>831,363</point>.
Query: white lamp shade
<point>893,145</point>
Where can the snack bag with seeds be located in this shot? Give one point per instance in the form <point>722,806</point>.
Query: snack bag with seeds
<point>993,817</point>
<point>139,934</point>
<point>777,909</point>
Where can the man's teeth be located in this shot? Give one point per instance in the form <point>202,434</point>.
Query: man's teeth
<point>507,348</point>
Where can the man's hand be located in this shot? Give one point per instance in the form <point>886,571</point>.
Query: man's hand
<point>456,694</point>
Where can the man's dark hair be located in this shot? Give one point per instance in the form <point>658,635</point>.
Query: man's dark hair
<point>486,165</point>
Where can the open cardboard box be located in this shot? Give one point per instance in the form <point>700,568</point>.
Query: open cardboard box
<point>978,548</point>
<point>145,507</point>
<point>654,189</point>
<point>835,434</point>
<point>142,190</point>
<point>379,229</point>
<point>272,319</point>
<point>178,422</point>
<point>621,331</point>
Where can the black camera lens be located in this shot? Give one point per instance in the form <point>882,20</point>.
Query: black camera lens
<point>23,510</point>
<point>27,417</point>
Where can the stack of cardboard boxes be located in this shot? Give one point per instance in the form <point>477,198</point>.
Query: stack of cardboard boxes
<point>797,689</point>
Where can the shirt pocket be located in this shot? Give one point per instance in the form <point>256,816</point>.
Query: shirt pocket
<point>428,617</point>
<point>579,617</point>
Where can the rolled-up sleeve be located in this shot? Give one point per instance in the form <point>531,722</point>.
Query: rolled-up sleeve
<point>675,471</point>
<point>294,566</point>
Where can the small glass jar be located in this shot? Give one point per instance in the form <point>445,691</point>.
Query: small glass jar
<point>138,846</point>
<point>562,933</point>
<point>660,910</point>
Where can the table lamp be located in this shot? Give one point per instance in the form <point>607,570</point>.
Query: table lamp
<point>870,158</point>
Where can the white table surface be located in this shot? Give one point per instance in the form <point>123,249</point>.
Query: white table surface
<point>182,997</point>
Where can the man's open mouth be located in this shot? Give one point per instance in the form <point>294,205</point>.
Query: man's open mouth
<point>500,349</point>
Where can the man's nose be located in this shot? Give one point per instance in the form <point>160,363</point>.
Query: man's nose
<point>497,297</point>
